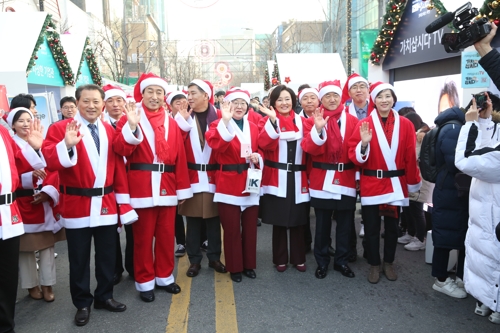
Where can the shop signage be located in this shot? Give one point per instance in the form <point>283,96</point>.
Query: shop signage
<point>411,44</point>
<point>85,77</point>
<point>45,70</point>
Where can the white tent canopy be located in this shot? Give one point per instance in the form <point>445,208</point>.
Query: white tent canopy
<point>74,45</point>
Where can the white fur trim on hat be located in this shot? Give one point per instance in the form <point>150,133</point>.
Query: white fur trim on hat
<point>154,81</point>
<point>173,94</point>
<point>12,113</point>
<point>305,91</point>
<point>237,94</point>
<point>379,88</point>
<point>328,89</point>
<point>355,80</point>
<point>114,92</point>
<point>203,85</point>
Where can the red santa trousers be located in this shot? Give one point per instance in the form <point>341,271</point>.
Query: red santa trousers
<point>240,247</point>
<point>156,225</point>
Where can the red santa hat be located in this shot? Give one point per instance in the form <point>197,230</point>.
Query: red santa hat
<point>207,87</point>
<point>130,98</point>
<point>375,89</point>
<point>305,91</point>
<point>352,80</point>
<point>146,80</point>
<point>171,95</point>
<point>235,93</point>
<point>112,91</point>
<point>12,113</point>
<point>328,87</point>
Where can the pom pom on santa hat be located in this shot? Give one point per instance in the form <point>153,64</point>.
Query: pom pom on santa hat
<point>146,80</point>
<point>112,91</point>
<point>328,87</point>
<point>352,80</point>
<point>235,93</point>
<point>207,87</point>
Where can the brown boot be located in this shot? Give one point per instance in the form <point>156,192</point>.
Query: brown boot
<point>35,293</point>
<point>374,274</point>
<point>390,272</point>
<point>48,294</point>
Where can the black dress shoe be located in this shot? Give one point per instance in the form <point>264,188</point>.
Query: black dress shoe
<point>117,278</point>
<point>218,266</point>
<point>193,270</point>
<point>147,296</point>
<point>250,273</point>
<point>352,257</point>
<point>321,272</point>
<point>344,270</point>
<point>236,277</point>
<point>82,316</point>
<point>110,305</point>
<point>331,251</point>
<point>172,288</point>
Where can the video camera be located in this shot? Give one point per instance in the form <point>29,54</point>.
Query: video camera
<point>470,29</point>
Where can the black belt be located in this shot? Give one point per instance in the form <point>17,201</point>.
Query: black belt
<point>203,167</point>
<point>289,167</point>
<point>86,192</point>
<point>340,167</point>
<point>152,167</point>
<point>8,198</point>
<point>235,167</point>
<point>383,173</point>
<point>27,193</point>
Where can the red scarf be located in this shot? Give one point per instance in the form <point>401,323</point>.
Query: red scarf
<point>157,121</point>
<point>335,141</point>
<point>388,126</point>
<point>287,123</point>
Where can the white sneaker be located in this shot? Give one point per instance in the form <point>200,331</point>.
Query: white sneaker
<point>415,245</point>
<point>450,288</point>
<point>181,250</point>
<point>362,231</point>
<point>495,318</point>
<point>460,283</point>
<point>405,239</point>
<point>482,310</point>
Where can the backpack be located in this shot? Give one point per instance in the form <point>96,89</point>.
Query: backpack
<point>427,158</point>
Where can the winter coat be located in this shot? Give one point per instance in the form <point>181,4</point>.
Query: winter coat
<point>491,64</point>
<point>449,212</point>
<point>423,195</point>
<point>482,260</point>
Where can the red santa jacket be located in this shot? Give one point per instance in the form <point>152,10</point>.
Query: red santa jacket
<point>198,159</point>
<point>13,159</point>
<point>226,146</point>
<point>88,169</point>
<point>153,188</point>
<point>380,157</point>
<point>330,184</point>
<point>253,117</point>
<point>274,146</point>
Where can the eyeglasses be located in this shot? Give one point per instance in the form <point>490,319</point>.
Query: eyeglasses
<point>237,104</point>
<point>66,108</point>
<point>359,87</point>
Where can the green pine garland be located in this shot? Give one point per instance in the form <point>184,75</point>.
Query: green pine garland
<point>394,12</point>
<point>491,10</point>
<point>49,31</point>
<point>94,69</point>
<point>267,85</point>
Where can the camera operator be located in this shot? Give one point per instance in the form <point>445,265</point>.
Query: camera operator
<point>490,58</point>
<point>479,158</point>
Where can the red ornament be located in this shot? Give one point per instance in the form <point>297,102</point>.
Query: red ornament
<point>390,32</point>
<point>389,22</point>
<point>394,7</point>
<point>386,43</point>
<point>56,40</point>
<point>496,21</point>
<point>36,57</point>
<point>377,60</point>
<point>274,81</point>
<point>51,45</point>
<point>64,53</point>
<point>373,54</point>
<point>287,79</point>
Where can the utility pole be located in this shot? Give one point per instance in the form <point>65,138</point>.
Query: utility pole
<point>348,31</point>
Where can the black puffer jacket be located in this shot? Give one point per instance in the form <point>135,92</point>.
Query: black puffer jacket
<point>450,213</point>
<point>491,64</point>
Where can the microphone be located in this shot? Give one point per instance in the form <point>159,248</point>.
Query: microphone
<point>440,22</point>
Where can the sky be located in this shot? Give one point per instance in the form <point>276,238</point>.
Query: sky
<point>186,20</point>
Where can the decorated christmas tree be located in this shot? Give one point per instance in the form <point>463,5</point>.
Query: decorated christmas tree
<point>276,74</point>
<point>267,85</point>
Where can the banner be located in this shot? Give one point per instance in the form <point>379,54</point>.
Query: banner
<point>366,39</point>
<point>473,75</point>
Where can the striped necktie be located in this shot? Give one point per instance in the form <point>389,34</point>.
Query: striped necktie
<point>95,136</point>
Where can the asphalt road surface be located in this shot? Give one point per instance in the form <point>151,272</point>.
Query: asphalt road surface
<point>274,302</point>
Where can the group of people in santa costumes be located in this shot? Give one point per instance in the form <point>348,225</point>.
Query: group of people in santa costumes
<point>138,165</point>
